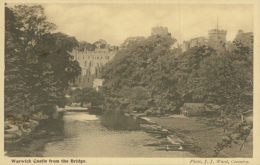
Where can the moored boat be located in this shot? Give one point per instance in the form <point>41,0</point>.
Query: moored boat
<point>171,149</point>
<point>174,139</point>
<point>13,134</point>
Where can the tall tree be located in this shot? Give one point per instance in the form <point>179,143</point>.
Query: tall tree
<point>15,85</point>
<point>228,79</point>
<point>45,66</point>
<point>136,66</point>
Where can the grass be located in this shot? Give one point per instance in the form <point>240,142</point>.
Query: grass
<point>204,138</point>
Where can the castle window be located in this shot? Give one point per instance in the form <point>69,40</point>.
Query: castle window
<point>108,57</point>
<point>85,63</point>
<point>78,57</point>
<point>90,63</point>
<point>97,57</point>
<point>92,57</point>
<point>83,57</point>
<point>100,58</point>
<point>88,80</point>
<point>97,64</point>
<point>88,57</point>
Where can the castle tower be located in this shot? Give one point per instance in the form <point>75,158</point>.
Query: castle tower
<point>74,53</point>
<point>185,46</point>
<point>160,31</point>
<point>240,32</point>
<point>216,38</point>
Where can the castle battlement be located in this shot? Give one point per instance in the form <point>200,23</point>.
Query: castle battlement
<point>160,28</point>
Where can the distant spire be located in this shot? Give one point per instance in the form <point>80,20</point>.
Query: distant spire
<point>217,28</point>
<point>217,23</point>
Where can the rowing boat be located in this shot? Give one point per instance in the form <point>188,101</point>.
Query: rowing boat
<point>12,134</point>
<point>165,145</point>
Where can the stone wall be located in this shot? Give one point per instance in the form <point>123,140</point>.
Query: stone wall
<point>91,63</point>
<point>200,41</point>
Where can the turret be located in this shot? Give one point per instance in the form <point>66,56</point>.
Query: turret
<point>159,31</point>
<point>216,38</point>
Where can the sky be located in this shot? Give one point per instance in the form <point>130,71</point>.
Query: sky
<point>115,22</point>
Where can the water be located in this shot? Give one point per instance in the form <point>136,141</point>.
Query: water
<point>84,136</point>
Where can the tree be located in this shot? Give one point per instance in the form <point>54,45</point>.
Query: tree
<point>187,73</point>
<point>87,95</point>
<point>131,41</point>
<point>137,67</point>
<point>44,66</point>
<point>228,77</point>
<point>15,86</point>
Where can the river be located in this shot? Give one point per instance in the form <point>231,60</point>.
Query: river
<point>84,136</point>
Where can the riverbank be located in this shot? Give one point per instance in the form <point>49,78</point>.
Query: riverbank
<point>204,138</point>
<point>32,142</point>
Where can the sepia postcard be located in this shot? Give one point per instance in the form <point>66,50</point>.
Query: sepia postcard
<point>130,82</point>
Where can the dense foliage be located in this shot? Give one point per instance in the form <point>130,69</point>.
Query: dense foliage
<point>86,95</point>
<point>38,67</point>
<point>150,75</point>
<point>134,75</point>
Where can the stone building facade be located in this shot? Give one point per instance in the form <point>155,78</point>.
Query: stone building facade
<point>91,63</point>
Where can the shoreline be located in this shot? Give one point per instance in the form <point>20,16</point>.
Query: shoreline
<point>203,138</point>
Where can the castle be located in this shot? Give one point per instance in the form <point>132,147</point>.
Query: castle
<point>92,60</point>
<point>216,39</point>
<point>91,63</point>
<point>160,31</point>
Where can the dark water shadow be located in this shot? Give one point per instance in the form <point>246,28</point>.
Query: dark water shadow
<point>118,121</point>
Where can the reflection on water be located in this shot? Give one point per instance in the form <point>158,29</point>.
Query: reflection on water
<point>84,136</point>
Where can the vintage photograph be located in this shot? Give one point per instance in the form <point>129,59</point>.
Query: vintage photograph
<point>128,80</point>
